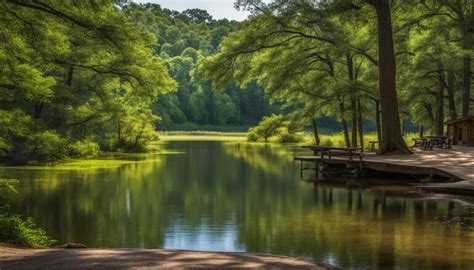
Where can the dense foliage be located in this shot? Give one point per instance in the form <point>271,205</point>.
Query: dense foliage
<point>74,71</point>
<point>184,40</point>
<point>16,231</point>
<point>77,77</point>
<point>388,61</point>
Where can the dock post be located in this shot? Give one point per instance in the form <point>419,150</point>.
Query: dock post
<point>301,169</point>
<point>316,171</point>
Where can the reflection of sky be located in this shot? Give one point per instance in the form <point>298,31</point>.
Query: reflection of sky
<point>203,237</point>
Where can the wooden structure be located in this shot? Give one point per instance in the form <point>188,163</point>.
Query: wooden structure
<point>462,131</point>
<point>328,151</point>
<point>430,142</point>
<point>372,146</point>
<point>455,165</point>
<point>321,154</point>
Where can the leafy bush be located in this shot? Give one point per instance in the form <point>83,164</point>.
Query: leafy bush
<point>22,233</point>
<point>336,140</point>
<point>137,131</point>
<point>277,129</point>
<point>267,128</point>
<point>252,136</point>
<point>286,137</point>
<point>14,230</point>
<point>326,141</point>
<point>46,147</point>
<point>85,148</point>
<point>7,185</point>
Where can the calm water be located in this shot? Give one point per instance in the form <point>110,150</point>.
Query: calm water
<point>237,197</point>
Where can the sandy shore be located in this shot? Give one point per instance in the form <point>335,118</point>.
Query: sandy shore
<point>12,258</point>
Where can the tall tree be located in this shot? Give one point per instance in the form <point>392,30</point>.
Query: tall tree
<point>392,140</point>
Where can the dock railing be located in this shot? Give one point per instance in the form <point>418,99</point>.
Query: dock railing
<point>329,151</point>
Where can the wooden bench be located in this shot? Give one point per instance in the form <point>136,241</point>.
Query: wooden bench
<point>420,142</point>
<point>329,152</point>
<point>322,153</point>
<point>372,145</point>
<point>430,142</point>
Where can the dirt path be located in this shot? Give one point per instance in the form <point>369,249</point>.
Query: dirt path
<point>11,258</point>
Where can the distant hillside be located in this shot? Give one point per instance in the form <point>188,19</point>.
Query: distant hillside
<point>183,39</point>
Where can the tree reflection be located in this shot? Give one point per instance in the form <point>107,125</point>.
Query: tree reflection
<point>227,197</point>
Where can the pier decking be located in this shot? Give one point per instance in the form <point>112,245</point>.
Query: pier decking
<point>456,164</point>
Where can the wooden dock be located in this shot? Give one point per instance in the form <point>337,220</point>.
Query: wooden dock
<point>456,165</point>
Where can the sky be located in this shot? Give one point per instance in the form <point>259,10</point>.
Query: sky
<point>219,9</point>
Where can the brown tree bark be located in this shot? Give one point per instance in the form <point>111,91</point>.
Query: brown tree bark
<point>360,125</point>
<point>350,72</point>
<point>466,90</point>
<point>431,116</point>
<point>392,140</point>
<point>452,103</point>
<point>439,122</point>
<point>38,110</point>
<point>315,131</point>
<point>70,73</point>
<point>345,129</point>
<point>377,121</point>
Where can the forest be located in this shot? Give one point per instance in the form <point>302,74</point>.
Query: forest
<point>126,125</point>
<point>81,77</point>
<point>390,61</point>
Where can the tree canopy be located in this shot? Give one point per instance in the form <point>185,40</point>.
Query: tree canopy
<point>329,57</point>
<point>75,70</point>
<point>78,76</point>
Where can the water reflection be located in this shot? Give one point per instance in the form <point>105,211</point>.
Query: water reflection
<point>244,197</point>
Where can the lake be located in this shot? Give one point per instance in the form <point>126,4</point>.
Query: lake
<point>224,196</point>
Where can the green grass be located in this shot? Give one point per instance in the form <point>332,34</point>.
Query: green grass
<point>115,160</point>
<point>337,139</point>
<point>203,133</point>
<point>202,136</point>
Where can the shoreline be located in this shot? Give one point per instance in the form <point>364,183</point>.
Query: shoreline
<point>58,258</point>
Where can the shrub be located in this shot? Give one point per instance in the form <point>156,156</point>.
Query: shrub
<point>286,137</point>
<point>14,230</point>
<point>326,141</point>
<point>137,132</point>
<point>22,233</point>
<point>47,146</point>
<point>85,148</point>
<point>267,128</point>
<point>252,136</point>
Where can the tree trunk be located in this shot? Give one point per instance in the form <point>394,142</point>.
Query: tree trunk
<point>466,90</point>
<point>452,103</point>
<point>422,131</point>
<point>350,71</point>
<point>344,124</point>
<point>315,131</point>
<point>439,124</point>
<point>70,73</point>
<point>392,140</point>
<point>377,121</point>
<point>360,124</point>
<point>119,131</point>
<point>38,110</point>
<point>429,112</point>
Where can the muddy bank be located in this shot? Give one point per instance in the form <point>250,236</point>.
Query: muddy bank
<point>11,258</point>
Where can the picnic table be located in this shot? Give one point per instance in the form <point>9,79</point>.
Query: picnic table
<point>429,142</point>
<point>330,151</point>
